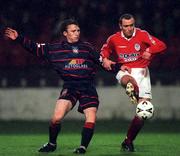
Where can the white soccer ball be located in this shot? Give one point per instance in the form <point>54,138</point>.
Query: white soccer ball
<point>145,110</point>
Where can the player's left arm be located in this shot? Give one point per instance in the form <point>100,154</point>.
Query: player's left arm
<point>154,44</point>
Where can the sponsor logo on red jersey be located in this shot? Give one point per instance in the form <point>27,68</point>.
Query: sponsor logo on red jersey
<point>129,57</point>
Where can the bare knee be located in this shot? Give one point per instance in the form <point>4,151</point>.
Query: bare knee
<point>126,78</point>
<point>61,109</point>
<point>90,114</point>
<point>56,119</point>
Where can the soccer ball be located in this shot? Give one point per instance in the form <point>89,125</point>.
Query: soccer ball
<point>145,110</point>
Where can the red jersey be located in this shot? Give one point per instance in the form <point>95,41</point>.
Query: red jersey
<point>129,51</point>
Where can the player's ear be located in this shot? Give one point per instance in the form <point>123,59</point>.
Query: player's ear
<point>120,26</point>
<point>64,33</point>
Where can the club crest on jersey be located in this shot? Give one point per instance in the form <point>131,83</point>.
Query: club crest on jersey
<point>75,50</point>
<point>137,47</point>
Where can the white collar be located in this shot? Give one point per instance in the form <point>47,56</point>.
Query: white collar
<point>134,33</point>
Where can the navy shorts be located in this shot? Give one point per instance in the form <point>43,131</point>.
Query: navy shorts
<point>87,97</point>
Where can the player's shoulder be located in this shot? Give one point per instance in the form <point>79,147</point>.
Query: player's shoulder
<point>140,31</point>
<point>86,44</point>
<point>113,36</point>
<point>55,45</point>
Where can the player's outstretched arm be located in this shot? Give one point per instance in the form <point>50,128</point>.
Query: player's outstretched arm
<point>37,49</point>
<point>11,33</point>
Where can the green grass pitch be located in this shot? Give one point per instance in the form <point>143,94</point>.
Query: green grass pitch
<point>24,139</point>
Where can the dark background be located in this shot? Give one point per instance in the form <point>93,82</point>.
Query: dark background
<point>40,21</point>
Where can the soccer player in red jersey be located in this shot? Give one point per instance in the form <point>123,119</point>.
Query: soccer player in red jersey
<point>134,49</point>
<point>75,62</point>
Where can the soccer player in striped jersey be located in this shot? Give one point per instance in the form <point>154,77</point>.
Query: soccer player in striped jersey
<point>75,62</point>
<point>134,49</point>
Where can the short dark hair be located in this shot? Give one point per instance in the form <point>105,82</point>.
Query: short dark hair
<point>125,16</point>
<point>67,22</point>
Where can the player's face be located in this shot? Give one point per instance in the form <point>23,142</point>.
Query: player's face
<point>127,27</point>
<point>72,33</point>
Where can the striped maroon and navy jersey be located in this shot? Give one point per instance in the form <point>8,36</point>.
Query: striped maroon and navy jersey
<point>72,61</point>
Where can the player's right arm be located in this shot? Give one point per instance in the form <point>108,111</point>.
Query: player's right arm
<point>11,33</point>
<point>107,48</point>
<point>106,51</point>
<point>38,49</point>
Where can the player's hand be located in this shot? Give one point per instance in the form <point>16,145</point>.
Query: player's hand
<point>107,63</point>
<point>146,54</point>
<point>10,33</point>
<point>125,68</point>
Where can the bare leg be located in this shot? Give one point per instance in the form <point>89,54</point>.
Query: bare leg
<point>61,109</point>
